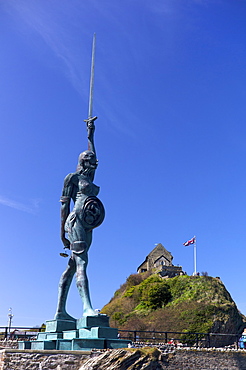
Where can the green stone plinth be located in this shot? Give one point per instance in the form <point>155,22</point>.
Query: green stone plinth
<point>70,334</point>
<point>44,344</point>
<point>58,326</point>
<point>98,332</point>
<point>54,336</point>
<point>24,345</point>
<point>102,332</point>
<point>64,345</point>
<point>49,336</point>
<point>90,321</point>
<point>42,336</point>
<point>87,344</point>
<point>85,334</point>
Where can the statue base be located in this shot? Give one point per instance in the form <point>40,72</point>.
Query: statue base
<point>86,333</point>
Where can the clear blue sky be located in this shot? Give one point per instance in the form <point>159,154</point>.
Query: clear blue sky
<point>170,89</point>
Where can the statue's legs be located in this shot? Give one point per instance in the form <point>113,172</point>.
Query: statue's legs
<point>64,285</point>
<point>82,283</point>
<point>80,240</point>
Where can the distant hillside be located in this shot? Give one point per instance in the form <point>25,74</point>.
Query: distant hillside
<point>182,303</point>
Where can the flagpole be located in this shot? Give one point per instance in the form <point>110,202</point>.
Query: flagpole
<point>195,256</point>
<point>189,242</point>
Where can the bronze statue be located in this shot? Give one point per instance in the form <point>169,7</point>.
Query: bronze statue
<point>88,213</point>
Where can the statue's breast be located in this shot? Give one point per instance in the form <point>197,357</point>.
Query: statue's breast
<point>88,188</point>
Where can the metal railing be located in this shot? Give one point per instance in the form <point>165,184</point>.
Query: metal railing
<point>19,332</point>
<point>205,340</point>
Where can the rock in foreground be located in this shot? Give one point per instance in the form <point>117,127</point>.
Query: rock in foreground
<point>123,359</point>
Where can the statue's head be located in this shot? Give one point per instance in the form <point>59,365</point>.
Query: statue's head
<point>87,161</point>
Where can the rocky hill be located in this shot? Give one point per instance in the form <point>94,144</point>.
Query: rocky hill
<point>182,303</point>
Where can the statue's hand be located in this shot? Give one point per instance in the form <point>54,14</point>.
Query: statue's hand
<point>65,242</point>
<point>91,125</point>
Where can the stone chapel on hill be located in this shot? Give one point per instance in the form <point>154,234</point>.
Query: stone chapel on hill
<point>160,260</point>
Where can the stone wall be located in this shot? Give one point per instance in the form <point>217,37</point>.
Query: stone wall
<point>14,359</point>
<point>205,360</point>
<point>177,360</point>
<point>8,344</point>
<point>11,359</point>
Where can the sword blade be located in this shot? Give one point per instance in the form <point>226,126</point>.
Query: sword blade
<point>92,77</point>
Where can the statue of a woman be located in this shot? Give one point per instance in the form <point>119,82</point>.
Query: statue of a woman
<point>88,213</point>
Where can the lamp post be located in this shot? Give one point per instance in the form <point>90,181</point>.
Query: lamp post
<point>10,315</point>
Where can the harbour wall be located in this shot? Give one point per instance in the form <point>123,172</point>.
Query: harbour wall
<point>181,359</point>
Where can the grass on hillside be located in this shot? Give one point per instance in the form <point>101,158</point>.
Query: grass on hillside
<point>183,303</point>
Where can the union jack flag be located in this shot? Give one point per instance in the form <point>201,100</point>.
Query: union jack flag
<point>189,242</point>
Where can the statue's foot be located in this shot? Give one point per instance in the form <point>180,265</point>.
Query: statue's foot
<point>63,316</point>
<point>90,312</point>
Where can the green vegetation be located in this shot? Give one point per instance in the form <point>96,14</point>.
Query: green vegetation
<point>151,352</point>
<point>183,303</point>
